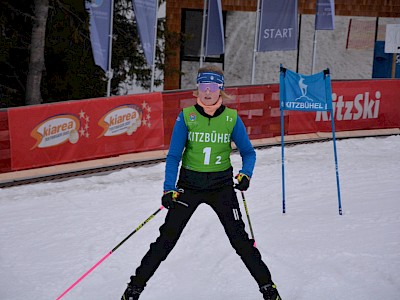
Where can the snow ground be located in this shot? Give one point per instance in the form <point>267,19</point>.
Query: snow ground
<point>51,233</point>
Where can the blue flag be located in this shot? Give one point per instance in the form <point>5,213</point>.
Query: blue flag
<point>306,93</point>
<point>278,25</point>
<point>100,17</point>
<point>324,17</point>
<point>146,14</point>
<point>214,39</point>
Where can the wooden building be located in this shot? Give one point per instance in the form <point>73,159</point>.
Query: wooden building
<point>175,10</point>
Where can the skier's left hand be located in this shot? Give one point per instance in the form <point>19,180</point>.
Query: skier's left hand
<point>243,182</point>
<point>169,198</point>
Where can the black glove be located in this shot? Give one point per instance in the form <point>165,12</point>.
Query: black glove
<point>168,199</point>
<point>243,182</point>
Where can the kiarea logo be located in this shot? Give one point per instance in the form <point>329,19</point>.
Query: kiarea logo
<point>361,107</point>
<point>56,130</point>
<point>120,120</point>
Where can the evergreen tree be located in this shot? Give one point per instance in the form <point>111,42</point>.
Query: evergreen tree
<point>69,71</point>
<point>15,38</point>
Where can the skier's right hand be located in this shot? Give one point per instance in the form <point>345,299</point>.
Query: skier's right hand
<point>168,199</point>
<point>243,182</point>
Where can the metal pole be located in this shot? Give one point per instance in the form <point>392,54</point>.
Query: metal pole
<point>336,163</point>
<point>328,96</point>
<point>314,51</point>
<point>255,41</point>
<point>110,71</point>
<point>153,66</point>
<point>281,105</point>
<point>282,99</point>
<point>283,160</point>
<point>298,45</point>
<point>203,32</point>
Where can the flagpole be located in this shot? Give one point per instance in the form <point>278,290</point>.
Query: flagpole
<point>255,41</point>
<point>314,51</point>
<point>110,71</point>
<point>203,31</point>
<point>298,45</point>
<point>314,42</point>
<point>336,162</point>
<point>281,108</point>
<point>153,66</point>
<point>327,75</point>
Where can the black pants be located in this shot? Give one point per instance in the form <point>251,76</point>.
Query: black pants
<point>225,204</point>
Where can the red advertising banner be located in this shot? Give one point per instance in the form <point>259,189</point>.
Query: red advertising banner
<point>86,129</point>
<point>357,105</point>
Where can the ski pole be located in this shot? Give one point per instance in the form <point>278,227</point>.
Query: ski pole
<point>109,253</point>
<point>248,218</point>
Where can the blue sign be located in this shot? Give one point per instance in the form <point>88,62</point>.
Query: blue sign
<point>324,17</point>
<point>278,25</point>
<point>214,40</point>
<point>305,92</point>
<point>100,17</point>
<point>146,15</point>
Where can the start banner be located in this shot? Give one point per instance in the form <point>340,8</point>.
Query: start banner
<point>357,105</point>
<point>50,134</point>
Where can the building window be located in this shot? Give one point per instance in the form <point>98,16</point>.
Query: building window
<point>192,24</point>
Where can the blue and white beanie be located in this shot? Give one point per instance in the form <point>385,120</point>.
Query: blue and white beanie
<point>208,77</point>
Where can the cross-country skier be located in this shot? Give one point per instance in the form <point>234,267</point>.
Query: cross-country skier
<point>202,139</point>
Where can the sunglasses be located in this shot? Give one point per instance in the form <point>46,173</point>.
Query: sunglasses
<point>211,86</point>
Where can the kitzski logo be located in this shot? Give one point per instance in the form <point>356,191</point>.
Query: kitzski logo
<point>362,107</point>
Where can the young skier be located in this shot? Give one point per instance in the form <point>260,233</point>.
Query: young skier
<point>202,138</point>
